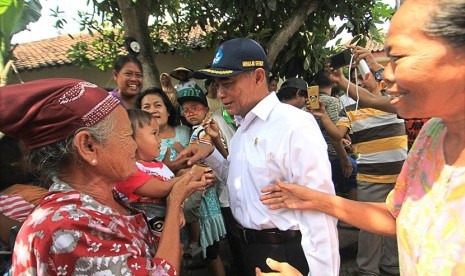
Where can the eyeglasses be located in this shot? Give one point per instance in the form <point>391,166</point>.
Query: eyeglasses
<point>192,109</point>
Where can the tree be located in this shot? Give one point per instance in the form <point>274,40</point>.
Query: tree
<point>15,15</point>
<point>293,32</point>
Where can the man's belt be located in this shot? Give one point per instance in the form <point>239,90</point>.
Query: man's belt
<point>273,236</point>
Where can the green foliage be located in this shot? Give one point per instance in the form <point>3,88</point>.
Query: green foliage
<point>15,15</point>
<point>171,22</point>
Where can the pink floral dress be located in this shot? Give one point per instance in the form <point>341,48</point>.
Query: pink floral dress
<point>429,204</point>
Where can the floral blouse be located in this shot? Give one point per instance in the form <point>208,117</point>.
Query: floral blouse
<point>429,204</point>
<point>70,233</point>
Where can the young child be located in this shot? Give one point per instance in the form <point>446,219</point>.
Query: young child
<point>194,109</point>
<point>148,188</point>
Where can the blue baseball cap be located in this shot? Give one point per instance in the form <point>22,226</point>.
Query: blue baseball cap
<point>233,57</point>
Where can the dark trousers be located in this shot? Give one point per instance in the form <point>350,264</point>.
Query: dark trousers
<point>255,254</point>
<point>234,243</point>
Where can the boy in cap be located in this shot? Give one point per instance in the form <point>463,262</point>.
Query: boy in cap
<point>274,141</point>
<point>294,92</point>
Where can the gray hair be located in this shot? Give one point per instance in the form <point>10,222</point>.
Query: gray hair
<point>448,22</point>
<point>51,160</point>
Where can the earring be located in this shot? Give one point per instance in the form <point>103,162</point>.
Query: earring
<point>93,162</point>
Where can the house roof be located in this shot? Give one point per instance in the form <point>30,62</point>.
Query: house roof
<point>54,51</point>
<point>47,52</point>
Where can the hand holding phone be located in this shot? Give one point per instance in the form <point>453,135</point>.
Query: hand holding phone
<point>313,101</point>
<point>341,59</point>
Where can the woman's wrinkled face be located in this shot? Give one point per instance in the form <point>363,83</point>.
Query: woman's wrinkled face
<point>148,142</point>
<point>118,154</point>
<point>129,79</point>
<point>153,104</point>
<point>425,76</point>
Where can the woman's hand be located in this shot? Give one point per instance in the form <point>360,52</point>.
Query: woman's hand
<point>184,187</point>
<point>182,219</point>
<point>288,195</point>
<point>206,171</point>
<point>283,269</point>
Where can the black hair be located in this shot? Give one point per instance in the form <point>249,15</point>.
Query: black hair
<point>335,91</point>
<point>321,79</point>
<point>13,169</point>
<point>288,93</point>
<point>139,118</point>
<point>120,61</point>
<point>173,119</point>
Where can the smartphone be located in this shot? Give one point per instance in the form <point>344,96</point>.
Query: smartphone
<point>341,59</point>
<point>313,92</point>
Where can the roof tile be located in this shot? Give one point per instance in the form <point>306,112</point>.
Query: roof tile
<point>47,52</point>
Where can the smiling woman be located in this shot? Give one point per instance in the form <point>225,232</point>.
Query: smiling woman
<point>129,77</point>
<point>174,137</point>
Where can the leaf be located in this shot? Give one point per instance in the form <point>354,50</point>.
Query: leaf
<point>272,4</point>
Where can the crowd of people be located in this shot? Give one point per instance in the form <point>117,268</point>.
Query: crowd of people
<point>114,179</point>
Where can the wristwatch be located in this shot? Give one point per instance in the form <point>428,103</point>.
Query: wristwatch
<point>379,74</point>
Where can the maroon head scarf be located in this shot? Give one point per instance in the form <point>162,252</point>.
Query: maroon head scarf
<point>46,111</point>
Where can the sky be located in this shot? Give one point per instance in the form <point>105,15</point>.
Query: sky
<point>44,28</point>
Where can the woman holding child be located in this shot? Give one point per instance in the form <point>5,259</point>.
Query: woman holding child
<point>81,144</point>
<point>174,137</point>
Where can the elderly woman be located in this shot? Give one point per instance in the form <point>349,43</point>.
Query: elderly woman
<point>426,78</point>
<point>81,144</point>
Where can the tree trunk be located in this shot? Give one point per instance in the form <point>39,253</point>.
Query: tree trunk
<point>292,25</point>
<point>135,19</point>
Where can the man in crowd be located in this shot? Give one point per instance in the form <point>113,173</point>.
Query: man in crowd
<point>274,141</point>
<point>380,143</point>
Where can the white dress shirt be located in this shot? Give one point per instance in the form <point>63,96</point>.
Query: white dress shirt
<point>277,140</point>
<point>226,132</point>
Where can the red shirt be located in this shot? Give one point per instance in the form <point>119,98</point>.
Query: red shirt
<point>72,234</point>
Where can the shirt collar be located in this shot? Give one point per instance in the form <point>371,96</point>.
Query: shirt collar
<point>262,110</point>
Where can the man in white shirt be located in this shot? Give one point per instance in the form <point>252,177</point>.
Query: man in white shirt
<point>274,141</point>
